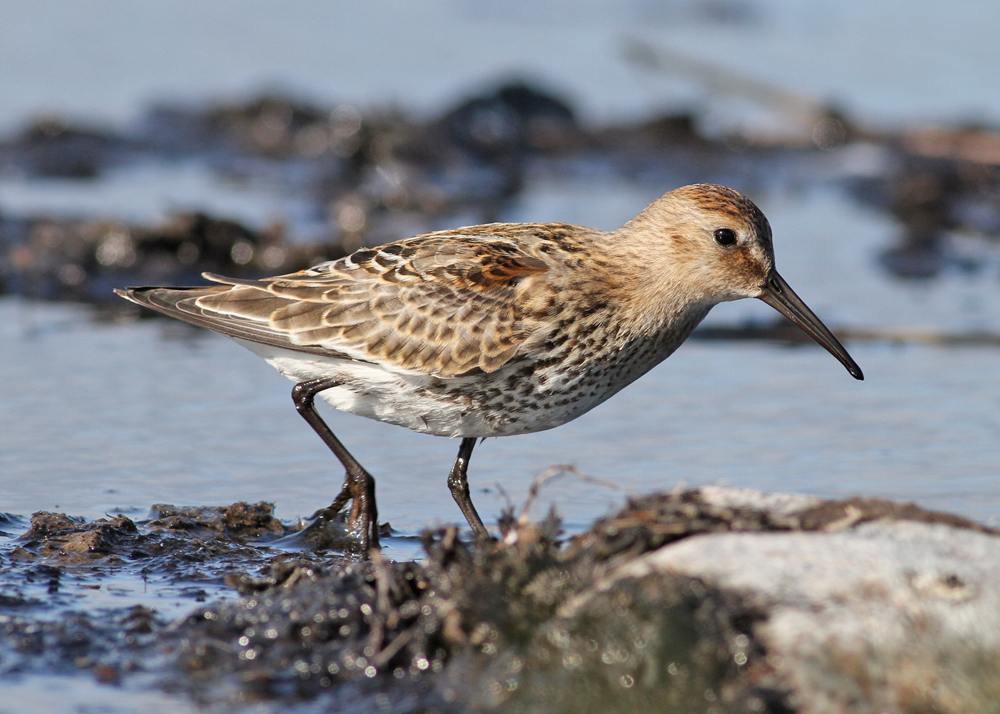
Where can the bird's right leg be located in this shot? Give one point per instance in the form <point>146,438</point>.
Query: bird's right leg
<point>358,483</point>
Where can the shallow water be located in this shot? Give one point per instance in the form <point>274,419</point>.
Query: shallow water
<point>114,417</point>
<point>42,694</point>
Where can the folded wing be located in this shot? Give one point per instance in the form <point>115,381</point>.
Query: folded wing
<point>444,304</point>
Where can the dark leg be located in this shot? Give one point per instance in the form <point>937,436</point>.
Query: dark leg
<point>459,485</point>
<point>358,484</point>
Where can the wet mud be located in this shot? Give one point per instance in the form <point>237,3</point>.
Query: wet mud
<point>512,624</point>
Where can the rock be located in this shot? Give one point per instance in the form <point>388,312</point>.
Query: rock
<point>248,520</point>
<point>516,117</point>
<point>51,147</point>
<point>897,614</point>
<point>64,539</point>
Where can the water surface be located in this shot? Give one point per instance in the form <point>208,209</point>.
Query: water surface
<point>102,418</point>
<point>108,418</point>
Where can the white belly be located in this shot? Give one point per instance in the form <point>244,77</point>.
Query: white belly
<point>513,400</point>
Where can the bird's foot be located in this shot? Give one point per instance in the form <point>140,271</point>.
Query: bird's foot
<point>356,531</point>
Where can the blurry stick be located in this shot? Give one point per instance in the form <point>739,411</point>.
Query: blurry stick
<point>724,81</point>
<point>962,143</point>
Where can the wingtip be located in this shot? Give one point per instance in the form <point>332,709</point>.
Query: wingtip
<point>133,294</point>
<point>126,293</point>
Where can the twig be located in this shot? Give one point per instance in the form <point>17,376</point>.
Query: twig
<point>552,473</point>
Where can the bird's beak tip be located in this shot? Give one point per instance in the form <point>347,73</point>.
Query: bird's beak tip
<point>776,293</point>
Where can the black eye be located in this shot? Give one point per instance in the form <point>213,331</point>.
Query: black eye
<point>725,236</point>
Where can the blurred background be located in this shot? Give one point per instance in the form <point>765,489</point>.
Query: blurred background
<point>144,143</point>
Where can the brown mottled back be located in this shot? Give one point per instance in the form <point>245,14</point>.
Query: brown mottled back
<point>441,304</point>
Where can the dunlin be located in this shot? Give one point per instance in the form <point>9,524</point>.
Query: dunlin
<point>499,329</point>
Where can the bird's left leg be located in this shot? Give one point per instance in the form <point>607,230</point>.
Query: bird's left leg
<point>358,483</point>
<point>459,484</point>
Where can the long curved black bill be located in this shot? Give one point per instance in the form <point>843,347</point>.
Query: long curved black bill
<point>782,298</point>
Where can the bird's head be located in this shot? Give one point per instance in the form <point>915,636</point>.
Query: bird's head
<point>710,244</point>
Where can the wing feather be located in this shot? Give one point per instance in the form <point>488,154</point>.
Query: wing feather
<point>180,303</point>
<point>443,304</point>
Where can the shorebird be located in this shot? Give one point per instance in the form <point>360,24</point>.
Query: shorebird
<point>498,329</point>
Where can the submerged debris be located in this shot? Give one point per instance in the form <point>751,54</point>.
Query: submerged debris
<point>51,148</point>
<point>366,178</point>
<point>83,260</point>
